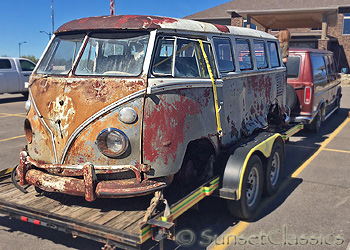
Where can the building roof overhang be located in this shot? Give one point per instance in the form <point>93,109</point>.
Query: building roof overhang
<point>290,18</point>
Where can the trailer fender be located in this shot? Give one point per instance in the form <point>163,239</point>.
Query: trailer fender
<point>236,164</point>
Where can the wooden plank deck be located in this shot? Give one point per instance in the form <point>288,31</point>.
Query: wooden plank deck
<point>120,214</point>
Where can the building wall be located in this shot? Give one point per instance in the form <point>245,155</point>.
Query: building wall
<point>341,48</point>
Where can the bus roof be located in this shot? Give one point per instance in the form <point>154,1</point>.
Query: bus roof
<point>143,22</point>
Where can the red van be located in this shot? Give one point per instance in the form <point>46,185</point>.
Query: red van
<point>317,91</point>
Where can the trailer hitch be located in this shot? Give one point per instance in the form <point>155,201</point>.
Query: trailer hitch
<point>162,230</point>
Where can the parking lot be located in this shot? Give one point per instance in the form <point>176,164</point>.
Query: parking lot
<point>310,211</point>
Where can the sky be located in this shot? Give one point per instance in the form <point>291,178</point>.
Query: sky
<point>22,20</point>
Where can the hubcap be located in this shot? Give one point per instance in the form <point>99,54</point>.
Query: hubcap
<point>275,169</point>
<point>252,187</point>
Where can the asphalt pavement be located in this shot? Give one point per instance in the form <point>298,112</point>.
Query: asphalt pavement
<point>310,211</point>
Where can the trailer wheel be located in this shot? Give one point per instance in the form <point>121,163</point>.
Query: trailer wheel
<point>252,188</point>
<point>274,169</point>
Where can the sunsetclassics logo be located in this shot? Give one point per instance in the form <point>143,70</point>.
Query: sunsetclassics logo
<point>277,237</point>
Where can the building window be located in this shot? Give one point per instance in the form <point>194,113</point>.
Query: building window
<point>346,24</point>
<point>252,25</point>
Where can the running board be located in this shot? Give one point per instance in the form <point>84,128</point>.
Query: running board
<point>330,113</point>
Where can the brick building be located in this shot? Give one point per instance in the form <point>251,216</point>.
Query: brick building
<point>319,24</point>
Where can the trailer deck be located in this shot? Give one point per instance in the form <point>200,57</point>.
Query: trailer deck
<point>115,222</point>
<point>111,221</point>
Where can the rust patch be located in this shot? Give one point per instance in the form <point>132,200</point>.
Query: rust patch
<point>63,103</point>
<point>116,22</point>
<point>90,181</point>
<point>168,122</point>
<point>222,28</point>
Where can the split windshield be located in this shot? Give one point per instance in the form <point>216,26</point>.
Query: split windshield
<point>114,54</point>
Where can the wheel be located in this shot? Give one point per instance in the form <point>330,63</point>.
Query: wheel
<point>274,170</point>
<point>316,123</point>
<point>252,188</point>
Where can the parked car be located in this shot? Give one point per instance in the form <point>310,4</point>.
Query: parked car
<point>14,74</point>
<point>317,91</point>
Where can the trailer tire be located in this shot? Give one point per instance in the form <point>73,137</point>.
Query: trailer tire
<point>252,189</point>
<point>274,170</point>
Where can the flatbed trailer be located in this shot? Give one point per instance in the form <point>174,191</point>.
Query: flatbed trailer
<point>115,222</point>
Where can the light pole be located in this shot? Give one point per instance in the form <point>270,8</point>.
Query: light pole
<point>49,34</point>
<point>19,48</point>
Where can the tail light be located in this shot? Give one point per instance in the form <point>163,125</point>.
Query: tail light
<point>307,95</point>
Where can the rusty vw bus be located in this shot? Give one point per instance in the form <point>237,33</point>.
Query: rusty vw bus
<point>119,105</point>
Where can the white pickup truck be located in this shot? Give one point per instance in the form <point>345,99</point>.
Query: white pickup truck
<point>14,74</point>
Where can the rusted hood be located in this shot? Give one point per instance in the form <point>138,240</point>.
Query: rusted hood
<point>65,103</point>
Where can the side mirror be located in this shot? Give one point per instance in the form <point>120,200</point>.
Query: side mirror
<point>344,70</point>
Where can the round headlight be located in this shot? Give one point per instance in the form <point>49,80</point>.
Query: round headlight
<point>112,142</point>
<point>127,115</point>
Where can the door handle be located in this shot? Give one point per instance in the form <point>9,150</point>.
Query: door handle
<point>27,75</point>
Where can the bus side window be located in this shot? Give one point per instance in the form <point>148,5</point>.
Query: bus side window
<point>260,54</point>
<point>244,54</point>
<point>273,50</point>
<point>224,56</point>
<point>163,61</point>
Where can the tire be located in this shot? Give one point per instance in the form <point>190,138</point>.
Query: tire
<point>252,189</point>
<point>291,96</point>
<point>316,124</point>
<point>274,170</point>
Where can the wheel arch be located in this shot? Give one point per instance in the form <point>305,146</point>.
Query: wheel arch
<point>197,150</point>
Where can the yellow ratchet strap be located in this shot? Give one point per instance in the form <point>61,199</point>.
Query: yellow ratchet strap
<point>216,103</point>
